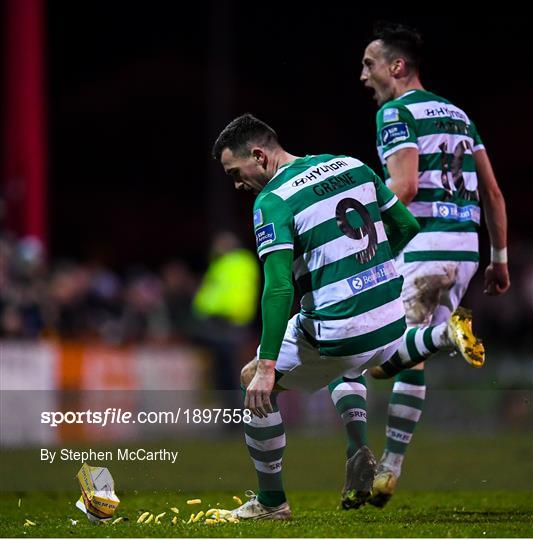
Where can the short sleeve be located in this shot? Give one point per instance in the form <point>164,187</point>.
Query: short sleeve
<point>273,224</point>
<point>385,197</point>
<point>478,143</point>
<point>396,129</point>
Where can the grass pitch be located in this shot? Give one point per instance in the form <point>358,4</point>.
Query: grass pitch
<point>316,514</point>
<point>452,486</point>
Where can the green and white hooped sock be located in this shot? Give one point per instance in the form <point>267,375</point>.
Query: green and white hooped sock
<point>349,398</point>
<point>265,439</point>
<point>417,345</point>
<point>405,409</point>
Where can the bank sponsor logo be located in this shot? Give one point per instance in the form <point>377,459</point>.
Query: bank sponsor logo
<point>458,213</point>
<point>372,277</point>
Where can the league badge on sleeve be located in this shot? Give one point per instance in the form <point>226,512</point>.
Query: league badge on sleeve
<point>394,133</point>
<point>265,235</point>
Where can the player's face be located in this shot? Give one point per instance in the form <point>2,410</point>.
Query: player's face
<point>248,173</point>
<point>376,73</point>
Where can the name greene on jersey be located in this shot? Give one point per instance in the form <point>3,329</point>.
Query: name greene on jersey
<point>327,210</point>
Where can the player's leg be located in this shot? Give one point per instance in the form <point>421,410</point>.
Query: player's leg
<point>423,284</point>
<point>265,437</point>
<point>348,394</point>
<point>419,344</point>
<point>265,440</point>
<point>409,390</point>
<point>431,293</point>
<point>349,397</point>
<point>404,413</point>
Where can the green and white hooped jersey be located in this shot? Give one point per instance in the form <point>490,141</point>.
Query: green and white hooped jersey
<point>327,209</point>
<point>447,202</point>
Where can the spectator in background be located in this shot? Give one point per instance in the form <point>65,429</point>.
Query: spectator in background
<point>23,283</point>
<point>179,285</point>
<point>144,317</point>
<point>67,309</point>
<point>106,304</point>
<point>226,303</point>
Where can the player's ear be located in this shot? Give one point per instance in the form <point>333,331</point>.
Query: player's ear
<point>398,68</point>
<point>260,156</point>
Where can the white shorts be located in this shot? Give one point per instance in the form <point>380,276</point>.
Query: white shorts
<point>432,290</point>
<point>300,365</point>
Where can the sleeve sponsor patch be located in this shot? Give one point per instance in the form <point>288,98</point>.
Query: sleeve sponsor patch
<point>258,217</point>
<point>394,133</point>
<point>391,115</point>
<point>265,235</point>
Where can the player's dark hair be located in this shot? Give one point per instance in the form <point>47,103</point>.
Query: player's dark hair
<point>400,41</point>
<point>240,133</point>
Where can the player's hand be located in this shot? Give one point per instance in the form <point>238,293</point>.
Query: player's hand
<point>496,279</point>
<point>258,392</point>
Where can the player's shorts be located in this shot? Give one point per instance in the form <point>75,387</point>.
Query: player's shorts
<point>300,366</point>
<point>432,290</point>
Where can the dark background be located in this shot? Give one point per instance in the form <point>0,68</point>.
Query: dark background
<point>139,91</point>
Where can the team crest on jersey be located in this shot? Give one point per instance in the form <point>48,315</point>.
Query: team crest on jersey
<point>394,133</point>
<point>258,217</point>
<point>265,235</point>
<point>391,115</point>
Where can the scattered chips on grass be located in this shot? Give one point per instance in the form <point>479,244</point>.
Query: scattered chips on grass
<point>150,518</point>
<point>198,516</point>
<point>237,500</point>
<point>118,520</point>
<point>175,510</point>
<point>194,501</point>
<point>143,516</point>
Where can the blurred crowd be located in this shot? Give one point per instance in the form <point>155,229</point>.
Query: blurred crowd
<point>87,301</point>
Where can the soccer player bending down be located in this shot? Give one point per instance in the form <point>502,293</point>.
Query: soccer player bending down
<point>436,164</point>
<point>332,222</point>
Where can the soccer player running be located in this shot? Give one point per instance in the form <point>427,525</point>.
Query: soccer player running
<point>436,164</point>
<point>324,219</point>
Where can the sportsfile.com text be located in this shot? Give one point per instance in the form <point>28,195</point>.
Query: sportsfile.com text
<point>118,416</point>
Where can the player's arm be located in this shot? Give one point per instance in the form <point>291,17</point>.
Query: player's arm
<point>400,225</point>
<point>399,146</point>
<point>276,303</point>
<point>403,170</point>
<point>497,274</point>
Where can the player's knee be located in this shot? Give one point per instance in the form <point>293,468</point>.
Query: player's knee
<point>248,372</point>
